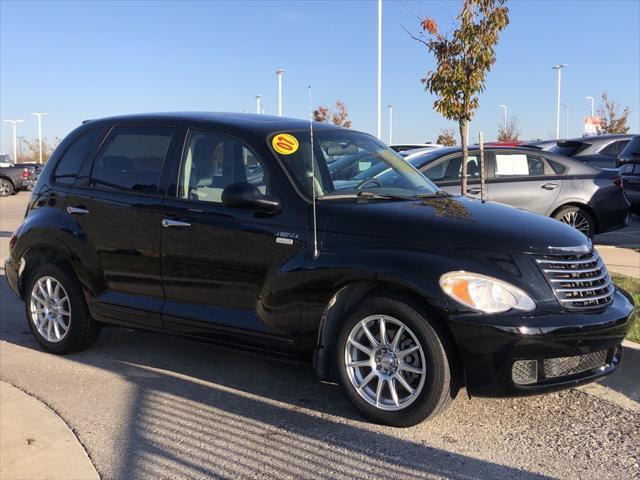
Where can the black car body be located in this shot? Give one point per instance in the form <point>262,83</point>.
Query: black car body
<point>549,184</point>
<point>631,152</point>
<point>16,178</point>
<point>630,172</point>
<point>150,222</point>
<point>598,151</point>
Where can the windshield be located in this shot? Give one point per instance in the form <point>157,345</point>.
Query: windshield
<point>348,164</point>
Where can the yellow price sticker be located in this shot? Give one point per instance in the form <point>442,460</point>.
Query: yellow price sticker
<point>285,144</point>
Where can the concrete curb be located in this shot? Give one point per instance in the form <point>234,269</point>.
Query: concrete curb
<point>36,443</point>
<point>622,387</point>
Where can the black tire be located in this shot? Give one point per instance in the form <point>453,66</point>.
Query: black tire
<point>439,388</point>
<point>6,188</point>
<point>83,330</point>
<point>565,215</point>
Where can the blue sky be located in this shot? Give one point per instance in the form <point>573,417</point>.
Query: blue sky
<point>78,60</point>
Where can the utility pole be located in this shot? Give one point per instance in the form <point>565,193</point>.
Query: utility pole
<point>279,73</point>
<point>40,115</point>
<point>15,145</point>
<point>559,68</point>
<point>379,112</point>
<point>258,99</point>
<point>390,124</point>
<point>592,104</point>
<point>504,107</point>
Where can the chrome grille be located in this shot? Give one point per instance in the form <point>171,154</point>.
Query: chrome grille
<point>559,367</point>
<point>579,281</point>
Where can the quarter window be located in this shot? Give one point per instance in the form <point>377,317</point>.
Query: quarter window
<point>69,165</point>
<point>132,159</point>
<point>211,162</point>
<point>518,165</point>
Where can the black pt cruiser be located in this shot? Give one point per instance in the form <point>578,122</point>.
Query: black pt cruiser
<point>231,227</point>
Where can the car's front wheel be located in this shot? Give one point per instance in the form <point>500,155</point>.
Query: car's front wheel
<point>393,364</point>
<point>57,312</point>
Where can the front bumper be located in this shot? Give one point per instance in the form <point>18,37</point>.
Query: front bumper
<point>490,345</point>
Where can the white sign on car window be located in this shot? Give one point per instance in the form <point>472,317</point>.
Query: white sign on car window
<point>514,164</point>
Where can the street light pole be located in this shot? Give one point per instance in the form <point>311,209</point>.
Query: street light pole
<point>590,98</point>
<point>279,73</point>
<point>258,98</point>
<point>390,124</point>
<point>566,120</point>
<point>505,114</point>
<point>15,145</point>
<point>558,67</point>
<point>40,115</point>
<point>379,113</point>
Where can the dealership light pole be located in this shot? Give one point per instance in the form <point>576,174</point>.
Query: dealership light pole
<point>558,67</point>
<point>15,145</point>
<point>279,73</point>
<point>590,98</point>
<point>390,124</point>
<point>379,113</point>
<point>258,99</point>
<point>505,114</point>
<point>566,120</point>
<point>40,115</point>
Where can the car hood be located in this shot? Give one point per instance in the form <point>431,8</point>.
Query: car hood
<point>449,221</point>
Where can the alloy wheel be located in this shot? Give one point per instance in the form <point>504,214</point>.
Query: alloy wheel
<point>50,309</point>
<point>577,221</point>
<point>5,188</point>
<point>385,362</point>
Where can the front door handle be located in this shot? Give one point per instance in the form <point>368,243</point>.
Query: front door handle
<point>174,223</point>
<point>549,186</point>
<point>77,211</point>
<point>473,190</point>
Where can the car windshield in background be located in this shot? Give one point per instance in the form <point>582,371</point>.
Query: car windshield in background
<point>569,149</point>
<point>348,164</point>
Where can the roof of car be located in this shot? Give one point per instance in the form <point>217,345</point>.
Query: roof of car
<point>253,121</point>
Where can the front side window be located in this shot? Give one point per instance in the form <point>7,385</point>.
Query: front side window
<point>349,164</point>
<point>211,162</point>
<point>518,165</point>
<point>132,159</point>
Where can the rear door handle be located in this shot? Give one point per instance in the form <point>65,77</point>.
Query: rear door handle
<point>77,211</point>
<point>473,190</point>
<point>549,186</point>
<point>174,223</point>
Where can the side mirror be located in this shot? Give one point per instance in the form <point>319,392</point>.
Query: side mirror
<point>246,196</point>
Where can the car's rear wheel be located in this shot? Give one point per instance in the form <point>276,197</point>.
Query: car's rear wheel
<point>57,312</point>
<point>6,187</point>
<point>393,364</point>
<point>578,218</point>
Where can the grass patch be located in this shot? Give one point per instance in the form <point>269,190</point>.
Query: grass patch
<point>631,285</point>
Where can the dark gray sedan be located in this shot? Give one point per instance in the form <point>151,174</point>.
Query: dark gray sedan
<point>589,199</point>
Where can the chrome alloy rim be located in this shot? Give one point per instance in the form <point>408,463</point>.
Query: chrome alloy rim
<point>385,362</point>
<point>577,221</point>
<point>4,188</point>
<point>50,309</point>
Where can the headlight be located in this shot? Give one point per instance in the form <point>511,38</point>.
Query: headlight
<point>485,294</point>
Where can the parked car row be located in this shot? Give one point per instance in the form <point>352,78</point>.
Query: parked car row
<point>14,178</point>
<point>236,228</point>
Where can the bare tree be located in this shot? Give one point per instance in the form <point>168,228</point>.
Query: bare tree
<point>509,132</point>
<point>321,114</point>
<point>338,117</point>
<point>610,120</point>
<point>32,153</point>
<point>447,137</point>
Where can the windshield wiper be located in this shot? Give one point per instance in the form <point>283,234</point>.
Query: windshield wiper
<point>369,194</point>
<point>439,193</point>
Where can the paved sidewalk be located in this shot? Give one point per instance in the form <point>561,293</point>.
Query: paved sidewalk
<point>621,260</point>
<point>35,443</point>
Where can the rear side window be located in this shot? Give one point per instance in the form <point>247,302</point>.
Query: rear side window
<point>69,165</point>
<point>615,148</point>
<point>518,165</point>
<point>131,159</point>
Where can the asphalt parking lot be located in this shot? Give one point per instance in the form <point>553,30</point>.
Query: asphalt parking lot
<point>153,406</point>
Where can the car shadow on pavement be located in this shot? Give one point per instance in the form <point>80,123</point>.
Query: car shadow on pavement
<point>201,411</point>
